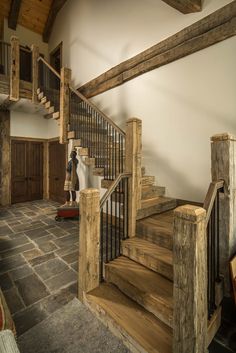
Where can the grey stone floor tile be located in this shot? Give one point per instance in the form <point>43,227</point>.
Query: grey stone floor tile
<point>47,247</point>
<point>36,233</point>
<point>61,280</point>
<point>5,281</point>
<point>13,300</point>
<point>72,257</point>
<point>7,244</point>
<point>18,250</point>
<point>31,289</point>
<point>50,268</point>
<point>21,272</point>
<point>68,240</point>
<point>67,250</point>
<point>11,263</point>
<point>31,254</point>
<point>40,259</point>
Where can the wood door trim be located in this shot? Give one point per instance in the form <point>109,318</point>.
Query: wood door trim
<point>19,138</point>
<point>59,46</point>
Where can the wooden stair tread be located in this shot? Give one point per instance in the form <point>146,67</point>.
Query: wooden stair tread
<point>158,204</point>
<point>128,320</point>
<point>152,256</point>
<point>154,200</point>
<point>146,287</point>
<point>157,229</point>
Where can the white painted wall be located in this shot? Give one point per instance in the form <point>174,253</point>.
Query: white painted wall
<point>26,36</point>
<point>32,125</point>
<point>181,104</point>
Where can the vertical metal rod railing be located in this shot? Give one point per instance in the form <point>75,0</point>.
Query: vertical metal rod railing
<point>5,57</point>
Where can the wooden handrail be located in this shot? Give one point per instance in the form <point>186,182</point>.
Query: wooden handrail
<point>6,43</point>
<point>97,110</point>
<point>113,186</point>
<point>210,197</point>
<point>49,66</point>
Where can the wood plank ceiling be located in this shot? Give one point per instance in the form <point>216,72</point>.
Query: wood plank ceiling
<point>36,15</point>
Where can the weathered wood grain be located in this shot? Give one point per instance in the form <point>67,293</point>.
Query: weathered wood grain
<point>190,280</point>
<point>14,13</point>
<point>35,84</point>
<point>208,31</point>
<point>64,103</point>
<point>185,6</point>
<point>133,165</point>
<point>15,69</point>
<point>223,166</point>
<point>89,242</point>
<point>5,158</point>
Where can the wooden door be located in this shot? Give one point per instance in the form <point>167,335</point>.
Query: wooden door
<point>26,171</point>
<point>57,170</point>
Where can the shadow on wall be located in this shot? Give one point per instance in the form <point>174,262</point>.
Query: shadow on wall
<point>174,175</point>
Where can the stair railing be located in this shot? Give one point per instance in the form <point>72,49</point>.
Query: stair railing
<point>114,221</point>
<point>49,82</point>
<point>25,64</point>
<point>103,138</point>
<point>5,62</point>
<point>212,207</point>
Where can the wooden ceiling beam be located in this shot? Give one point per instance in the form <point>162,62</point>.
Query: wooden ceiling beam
<point>14,14</point>
<point>185,6</point>
<point>55,8</point>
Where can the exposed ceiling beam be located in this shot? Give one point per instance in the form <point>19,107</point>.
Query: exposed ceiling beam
<point>185,6</point>
<point>14,13</point>
<point>55,8</point>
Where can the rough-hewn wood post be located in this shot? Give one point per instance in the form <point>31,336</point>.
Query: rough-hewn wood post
<point>190,280</point>
<point>223,166</point>
<point>15,69</point>
<point>35,85</point>
<point>89,242</point>
<point>5,158</point>
<point>133,161</point>
<point>64,103</point>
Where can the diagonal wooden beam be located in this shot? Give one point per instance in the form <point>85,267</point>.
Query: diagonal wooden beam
<point>55,8</point>
<point>14,13</point>
<point>185,6</point>
<point>210,30</point>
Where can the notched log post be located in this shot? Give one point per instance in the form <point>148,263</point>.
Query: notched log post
<point>64,103</point>
<point>190,280</point>
<point>35,84</point>
<point>15,69</point>
<point>133,160</point>
<point>89,243</point>
<point>5,159</point>
<point>223,166</point>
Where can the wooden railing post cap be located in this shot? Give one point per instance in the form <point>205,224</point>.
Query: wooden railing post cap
<point>190,213</point>
<point>225,136</point>
<point>14,39</point>
<point>90,193</point>
<point>134,120</point>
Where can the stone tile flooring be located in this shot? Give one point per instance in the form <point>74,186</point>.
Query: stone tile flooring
<point>38,261</point>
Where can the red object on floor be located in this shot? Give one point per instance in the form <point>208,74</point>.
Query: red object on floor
<point>67,212</point>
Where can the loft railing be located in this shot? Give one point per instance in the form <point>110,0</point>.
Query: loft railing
<point>114,220</point>
<point>212,207</point>
<point>49,83</point>
<point>5,58</point>
<point>103,138</point>
<point>25,64</point>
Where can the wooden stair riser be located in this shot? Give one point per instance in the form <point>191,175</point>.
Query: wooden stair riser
<point>152,191</point>
<point>159,207</point>
<point>157,305</point>
<point>147,259</point>
<point>83,152</point>
<point>56,115</point>
<point>149,232</point>
<point>89,161</point>
<point>40,96</point>
<point>148,180</point>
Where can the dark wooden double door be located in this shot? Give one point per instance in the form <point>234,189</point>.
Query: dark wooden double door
<point>26,171</point>
<point>57,171</point>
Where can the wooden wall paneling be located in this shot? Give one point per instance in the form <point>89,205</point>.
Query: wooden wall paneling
<point>210,30</point>
<point>46,170</point>
<point>5,166</point>
<point>35,168</point>
<point>19,182</point>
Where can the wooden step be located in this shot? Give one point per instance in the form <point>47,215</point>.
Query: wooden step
<point>47,104</point>
<point>151,191</point>
<point>149,289</point>
<point>43,100</point>
<point>38,90</point>
<point>148,180</point>
<point>155,205</point>
<point>76,143</point>
<point>89,161</point>
<point>56,115</point>
<point>106,183</point>
<point>157,229</point>
<point>83,152</point>
<point>40,95</point>
<point>150,255</point>
<point>98,171</point>
<point>139,330</point>
<point>71,135</point>
<point>51,110</point>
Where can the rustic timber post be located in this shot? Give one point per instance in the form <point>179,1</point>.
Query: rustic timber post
<point>5,158</point>
<point>35,84</point>
<point>89,242</point>
<point>223,166</point>
<point>133,161</point>
<point>190,280</point>
<point>15,69</point>
<point>64,103</point>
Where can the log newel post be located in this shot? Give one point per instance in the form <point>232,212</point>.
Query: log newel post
<point>89,242</point>
<point>133,161</point>
<point>190,280</point>
<point>64,103</point>
<point>35,83</point>
<point>223,166</point>
<point>15,69</point>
